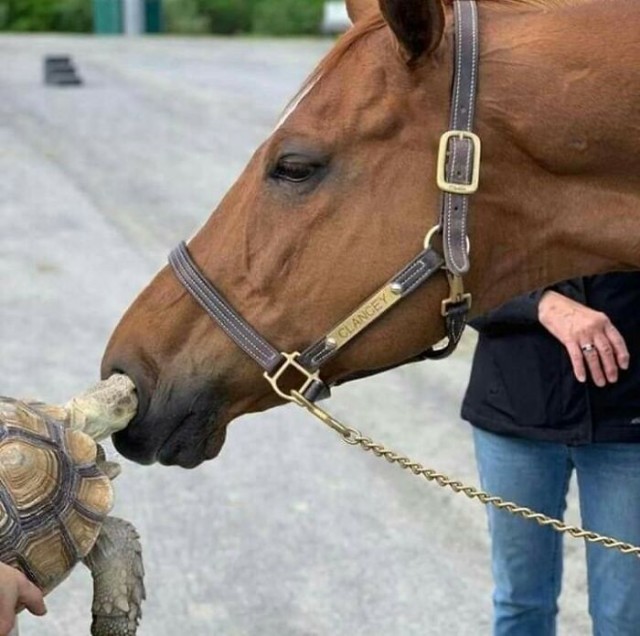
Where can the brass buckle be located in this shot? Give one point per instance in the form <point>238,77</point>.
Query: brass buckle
<point>457,295</point>
<point>291,361</point>
<point>458,188</point>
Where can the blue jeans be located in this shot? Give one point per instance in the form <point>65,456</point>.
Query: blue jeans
<point>527,558</point>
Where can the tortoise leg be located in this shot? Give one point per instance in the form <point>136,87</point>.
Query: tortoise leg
<point>118,579</point>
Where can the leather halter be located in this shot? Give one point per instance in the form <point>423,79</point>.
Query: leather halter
<point>457,176</point>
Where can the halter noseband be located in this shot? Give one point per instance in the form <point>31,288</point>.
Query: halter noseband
<point>457,177</point>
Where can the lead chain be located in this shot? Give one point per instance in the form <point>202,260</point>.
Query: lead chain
<point>353,437</point>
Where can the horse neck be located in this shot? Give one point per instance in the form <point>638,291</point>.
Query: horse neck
<point>559,115</point>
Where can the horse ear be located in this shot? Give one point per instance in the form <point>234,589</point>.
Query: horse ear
<point>360,9</point>
<point>418,24</point>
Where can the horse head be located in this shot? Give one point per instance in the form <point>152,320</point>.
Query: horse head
<point>338,198</point>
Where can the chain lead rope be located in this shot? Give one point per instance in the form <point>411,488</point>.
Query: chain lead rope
<point>353,437</point>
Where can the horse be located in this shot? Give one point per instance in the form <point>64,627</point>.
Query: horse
<point>343,192</point>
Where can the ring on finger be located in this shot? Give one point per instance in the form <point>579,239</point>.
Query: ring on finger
<point>588,348</point>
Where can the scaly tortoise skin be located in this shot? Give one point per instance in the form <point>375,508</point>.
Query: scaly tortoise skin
<point>55,497</point>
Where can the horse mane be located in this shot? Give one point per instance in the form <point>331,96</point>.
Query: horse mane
<point>543,4</point>
<point>362,29</point>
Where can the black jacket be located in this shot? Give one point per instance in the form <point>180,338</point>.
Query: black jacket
<point>522,383</point>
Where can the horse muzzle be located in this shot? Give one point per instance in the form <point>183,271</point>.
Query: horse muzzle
<point>183,442</point>
<point>176,425</point>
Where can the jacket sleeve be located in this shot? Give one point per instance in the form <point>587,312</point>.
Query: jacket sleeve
<point>522,311</point>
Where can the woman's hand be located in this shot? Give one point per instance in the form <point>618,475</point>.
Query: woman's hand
<point>592,341</point>
<point>16,592</point>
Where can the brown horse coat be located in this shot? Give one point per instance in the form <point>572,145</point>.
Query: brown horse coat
<point>343,192</point>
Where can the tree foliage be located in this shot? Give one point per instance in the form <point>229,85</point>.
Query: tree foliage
<point>287,17</point>
<point>45,15</point>
<point>229,17</point>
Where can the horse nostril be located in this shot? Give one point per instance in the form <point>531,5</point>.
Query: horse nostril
<point>143,385</point>
<point>107,369</point>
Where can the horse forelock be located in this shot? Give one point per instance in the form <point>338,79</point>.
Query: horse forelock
<point>332,59</point>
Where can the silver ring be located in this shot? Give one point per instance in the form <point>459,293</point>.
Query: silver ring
<point>588,348</point>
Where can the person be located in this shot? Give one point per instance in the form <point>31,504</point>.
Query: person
<point>555,388</point>
<point>16,591</point>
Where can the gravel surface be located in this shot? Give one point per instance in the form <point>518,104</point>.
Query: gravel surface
<point>290,532</point>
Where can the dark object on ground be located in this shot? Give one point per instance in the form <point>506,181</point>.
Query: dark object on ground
<point>59,70</point>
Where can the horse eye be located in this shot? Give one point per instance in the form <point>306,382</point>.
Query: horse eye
<point>295,171</point>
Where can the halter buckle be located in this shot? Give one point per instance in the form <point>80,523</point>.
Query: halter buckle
<point>457,295</point>
<point>291,362</point>
<point>459,188</point>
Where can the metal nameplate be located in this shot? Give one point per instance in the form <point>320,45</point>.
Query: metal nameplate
<point>362,317</point>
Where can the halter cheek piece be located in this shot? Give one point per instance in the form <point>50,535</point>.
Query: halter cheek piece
<point>457,176</point>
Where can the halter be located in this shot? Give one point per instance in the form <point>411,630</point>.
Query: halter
<point>457,177</point>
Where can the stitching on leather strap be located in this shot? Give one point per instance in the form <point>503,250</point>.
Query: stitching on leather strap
<point>217,307</point>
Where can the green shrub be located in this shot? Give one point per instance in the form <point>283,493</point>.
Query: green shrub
<point>72,15</point>
<point>271,17</point>
<point>287,17</point>
<point>27,15</point>
<point>5,16</point>
<point>184,16</point>
<point>227,16</point>
<point>45,15</point>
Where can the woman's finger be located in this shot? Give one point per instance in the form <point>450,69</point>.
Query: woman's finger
<point>607,357</point>
<point>619,346</point>
<point>31,597</point>
<point>577,361</point>
<point>592,359</point>
<point>8,602</point>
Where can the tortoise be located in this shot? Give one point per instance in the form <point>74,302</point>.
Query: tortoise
<point>56,494</point>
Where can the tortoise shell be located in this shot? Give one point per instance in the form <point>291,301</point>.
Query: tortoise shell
<point>53,497</point>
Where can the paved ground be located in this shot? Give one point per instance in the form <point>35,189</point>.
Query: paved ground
<point>290,532</point>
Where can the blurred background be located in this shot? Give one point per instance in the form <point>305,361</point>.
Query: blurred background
<point>120,130</point>
<point>227,17</point>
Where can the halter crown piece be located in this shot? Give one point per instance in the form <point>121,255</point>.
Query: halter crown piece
<point>457,177</point>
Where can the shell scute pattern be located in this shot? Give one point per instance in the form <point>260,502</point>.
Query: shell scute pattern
<point>53,497</point>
